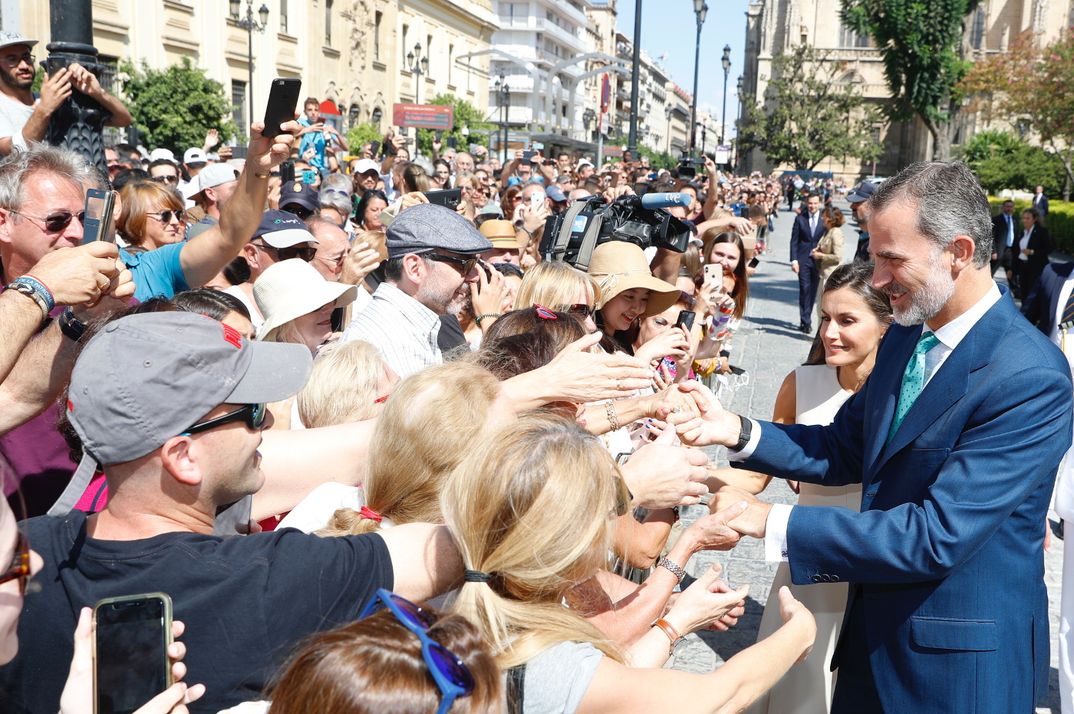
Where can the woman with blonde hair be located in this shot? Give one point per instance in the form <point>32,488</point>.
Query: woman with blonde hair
<point>297,303</point>
<point>560,288</point>
<point>428,426</point>
<point>349,383</point>
<point>152,216</point>
<point>529,530</point>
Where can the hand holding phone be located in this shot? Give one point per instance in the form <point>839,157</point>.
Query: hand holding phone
<point>686,320</point>
<point>99,223</point>
<point>282,102</point>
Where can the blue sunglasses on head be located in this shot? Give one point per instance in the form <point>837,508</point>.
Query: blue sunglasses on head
<point>448,671</point>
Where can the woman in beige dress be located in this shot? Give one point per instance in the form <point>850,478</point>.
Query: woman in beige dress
<point>854,317</point>
<point>828,254</point>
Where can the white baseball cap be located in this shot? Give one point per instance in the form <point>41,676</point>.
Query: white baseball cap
<point>165,154</point>
<point>10,39</point>
<point>365,165</point>
<point>194,155</point>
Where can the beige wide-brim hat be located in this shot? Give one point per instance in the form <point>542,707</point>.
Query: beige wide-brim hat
<point>619,266</point>
<point>293,288</point>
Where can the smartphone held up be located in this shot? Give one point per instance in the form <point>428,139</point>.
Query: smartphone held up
<point>131,635</point>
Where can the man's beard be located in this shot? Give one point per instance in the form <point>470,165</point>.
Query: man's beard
<point>927,301</point>
<point>10,79</point>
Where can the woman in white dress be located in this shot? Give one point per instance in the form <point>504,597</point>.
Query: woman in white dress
<point>854,317</point>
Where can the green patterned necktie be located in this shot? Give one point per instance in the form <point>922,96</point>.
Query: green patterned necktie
<point>913,379</point>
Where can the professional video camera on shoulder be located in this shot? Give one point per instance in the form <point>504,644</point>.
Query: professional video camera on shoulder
<point>572,235</point>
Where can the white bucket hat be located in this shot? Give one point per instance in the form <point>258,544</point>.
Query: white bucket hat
<point>293,288</point>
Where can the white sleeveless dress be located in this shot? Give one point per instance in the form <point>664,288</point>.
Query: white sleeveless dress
<point>807,688</point>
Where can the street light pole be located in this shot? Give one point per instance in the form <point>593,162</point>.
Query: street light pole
<point>738,123</point>
<point>700,10</point>
<point>726,62</point>
<point>503,96</point>
<point>418,67</point>
<point>249,24</point>
<point>635,80</point>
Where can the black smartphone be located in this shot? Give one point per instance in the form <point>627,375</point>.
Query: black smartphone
<point>287,172</point>
<point>448,197</point>
<point>452,142</point>
<point>528,155</point>
<point>754,262</point>
<point>686,319</point>
<point>282,102</point>
<point>131,635</point>
<point>99,222</point>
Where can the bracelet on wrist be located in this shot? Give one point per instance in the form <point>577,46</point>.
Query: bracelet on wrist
<point>668,629</point>
<point>39,287</point>
<point>613,418</point>
<point>479,318</point>
<point>30,291</point>
<point>672,567</point>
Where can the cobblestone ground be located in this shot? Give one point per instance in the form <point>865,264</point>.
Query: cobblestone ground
<point>768,346</point>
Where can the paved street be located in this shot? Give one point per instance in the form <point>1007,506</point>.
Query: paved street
<point>768,347</point>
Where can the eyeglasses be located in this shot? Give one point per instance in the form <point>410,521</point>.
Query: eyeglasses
<point>16,60</point>
<point>166,178</point>
<point>302,250</point>
<point>580,310</point>
<point>451,675</point>
<point>54,222</point>
<point>20,564</point>
<point>463,265</point>
<point>252,414</point>
<point>166,216</point>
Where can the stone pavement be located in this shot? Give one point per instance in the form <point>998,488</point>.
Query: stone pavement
<point>768,346</point>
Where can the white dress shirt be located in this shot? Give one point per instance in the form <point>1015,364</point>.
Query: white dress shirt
<point>949,336</point>
<point>1024,244</point>
<point>402,329</point>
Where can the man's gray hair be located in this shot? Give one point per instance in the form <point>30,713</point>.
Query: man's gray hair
<point>16,170</point>
<point>949,201</point>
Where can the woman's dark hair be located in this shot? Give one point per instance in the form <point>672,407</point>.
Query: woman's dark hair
<point>832,216</point>
<point>127,176</point>
<point>522,341</point>
<point>1034,213</point>
<point>856,277</point>
<point>376,665</point>
<point>363,204</point>
<point>741,291</point>
<point>209,302</point>
<point>237,271</point>
<point>508,269</point>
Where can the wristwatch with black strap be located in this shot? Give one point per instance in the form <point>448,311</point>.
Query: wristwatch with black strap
<point>745,430</point>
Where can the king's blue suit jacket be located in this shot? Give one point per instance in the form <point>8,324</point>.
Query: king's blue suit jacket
<point>947,548</point>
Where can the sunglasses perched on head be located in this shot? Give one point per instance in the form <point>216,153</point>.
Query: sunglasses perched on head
<point>19,569</point>
<point>448,670</point>
<point>252,414</point>
<point>53,222</point>
<point>579,310</point>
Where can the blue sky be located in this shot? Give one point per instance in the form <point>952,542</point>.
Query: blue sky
<point>668,28</point>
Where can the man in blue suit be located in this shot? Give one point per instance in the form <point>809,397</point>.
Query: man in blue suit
<point>955,438</point>
<point>805,234</point>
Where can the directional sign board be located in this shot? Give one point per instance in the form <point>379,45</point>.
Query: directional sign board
<point>424,116</point>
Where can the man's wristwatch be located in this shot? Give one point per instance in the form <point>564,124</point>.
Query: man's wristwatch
<point>744,434</point>
<point>71,327</point>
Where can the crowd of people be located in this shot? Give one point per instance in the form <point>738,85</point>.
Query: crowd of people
<point>383,454</point>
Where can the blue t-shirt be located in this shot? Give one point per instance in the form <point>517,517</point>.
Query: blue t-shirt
<point>157,273</point>
<point>315,139</point>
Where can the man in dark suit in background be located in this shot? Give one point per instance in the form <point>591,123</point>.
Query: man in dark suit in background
<point>1003,233</point>
<point>806,233</point>
<point>1040,202</point>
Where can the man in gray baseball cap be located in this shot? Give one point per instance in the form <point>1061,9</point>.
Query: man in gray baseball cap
<point>172,406</point>
<point>432,258</point>
<point>857,198</point>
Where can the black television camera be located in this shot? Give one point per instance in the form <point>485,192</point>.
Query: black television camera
<point>572,235</point>
<point>687,167</point>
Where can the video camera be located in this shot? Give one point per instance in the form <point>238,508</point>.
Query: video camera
<point>571,236</point>
<point>687,167</point>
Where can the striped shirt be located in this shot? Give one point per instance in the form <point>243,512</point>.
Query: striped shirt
<point>401,328</point>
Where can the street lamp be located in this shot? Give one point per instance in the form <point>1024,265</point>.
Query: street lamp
<point>700,10</point>
<point>503,94</point>
<point>726,62</point>
<point>704,134</point>
<point>249,24</point>
<point>738,121</point>
<point>418,66</point>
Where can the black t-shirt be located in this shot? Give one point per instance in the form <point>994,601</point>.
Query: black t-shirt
<point>247,601</point>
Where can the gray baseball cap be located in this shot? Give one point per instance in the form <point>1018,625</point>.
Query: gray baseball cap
<point>862,192</point>
<point>146,378</point>
<point>10,38</point>
<point>426,227</point>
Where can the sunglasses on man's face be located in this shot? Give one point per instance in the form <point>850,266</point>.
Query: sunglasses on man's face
<point>166,178</point>
<point>53,222</point>
<point>463,265</point>
<point>303,251</point>
<point>252,414</point>
<point>19,569</point>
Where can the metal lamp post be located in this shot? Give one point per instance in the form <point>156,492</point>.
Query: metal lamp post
<point>738,120</point>
<point>503,94</point>
<point>419,66</point>
<point>700,10</point>
<point>635,80</point>
<point>249,24</point>
<point>726,62</point>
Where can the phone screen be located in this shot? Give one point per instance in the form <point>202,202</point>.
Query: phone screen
<point>131,660</point>
<point>98,223</point>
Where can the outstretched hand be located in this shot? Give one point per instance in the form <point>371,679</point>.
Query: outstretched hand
<point>711,425</point>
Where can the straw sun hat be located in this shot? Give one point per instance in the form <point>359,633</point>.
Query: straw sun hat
<point>619,266</point>
<point>293,288</point>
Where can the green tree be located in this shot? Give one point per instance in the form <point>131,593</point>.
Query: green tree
<point>362,134</point>
<point>174,107</point>
<point>1003,161</point>
<point>809,113</point>
<point>920,42</point>
<point>467,117</point>
<point>1031,86</point>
